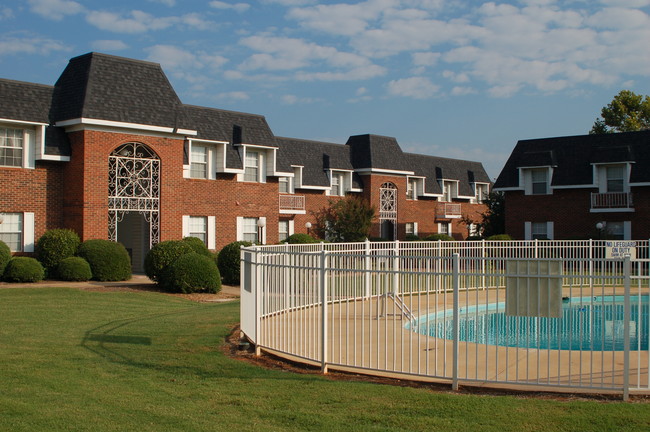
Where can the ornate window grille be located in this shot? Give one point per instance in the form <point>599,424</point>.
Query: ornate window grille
<point>388,201</point>
<point>134,186</point>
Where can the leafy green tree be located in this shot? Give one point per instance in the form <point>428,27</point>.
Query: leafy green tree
<point>627,112</point>
<point>493,219</point>
<point>345,220</point>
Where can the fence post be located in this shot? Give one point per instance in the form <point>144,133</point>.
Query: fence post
<point>366,273</point>
<point>396,288</point>
<point>258,301</point>
<point>626,329</point>
<point>323,294</point>
<point>483,259</point>
<point>455,279</point>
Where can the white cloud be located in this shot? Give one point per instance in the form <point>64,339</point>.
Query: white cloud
<point>140,22</point>
<point>109,45</point>
<point>238,7</point>
<point>233,95</point>
<point>6,13</point>
<point>414,87</point>
<point>55,9</point>
<point>169,3</point>
<point>291,99</point>
<point>286,54</point>
<point>30,45</point>
<point>619,18</point>
<point>462,91</point>
<point>174,58</point>
<point>425,58</point>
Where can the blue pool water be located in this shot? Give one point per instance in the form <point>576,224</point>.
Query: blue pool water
<point>587,323</point>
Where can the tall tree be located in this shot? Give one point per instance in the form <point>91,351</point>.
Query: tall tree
<point>627,112</point>
<point>345,220</point>
<point>493,219</point>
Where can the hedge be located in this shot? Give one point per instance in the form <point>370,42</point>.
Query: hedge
<point>191,273</point>
<point>228,262</point>
<point>24,269</point>
<point>5,256</point>
<point>54,246</point>
<point>109,261</point>
<point>74,269</point>
<point>162,255</point>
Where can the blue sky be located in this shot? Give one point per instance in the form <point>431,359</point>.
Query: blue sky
<point>453,78</point>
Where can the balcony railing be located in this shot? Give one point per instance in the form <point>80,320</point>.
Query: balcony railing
<point>448,211</point>
<point>612,200</point>
<point>292,203</point>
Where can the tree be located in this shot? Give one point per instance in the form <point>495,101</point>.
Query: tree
<point>493,219</point>
<point>345,220</point>
<point>627,112</point>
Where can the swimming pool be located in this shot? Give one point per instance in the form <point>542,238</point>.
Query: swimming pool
<point>587,323</point>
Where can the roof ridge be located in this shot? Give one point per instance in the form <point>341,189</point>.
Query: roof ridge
<point>305,140</point>
<point>27,83</point>
<point>223,110</point>
<point>92,54</point>
<point>441,157</point>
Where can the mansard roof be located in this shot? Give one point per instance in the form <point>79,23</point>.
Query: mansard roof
<point>100,86</point>
<point>316,158</point>
<point>435,168</point>
<point>376,152</point>
<point>573,157</point>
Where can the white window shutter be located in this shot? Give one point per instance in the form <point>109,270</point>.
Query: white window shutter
<point>212,232</point>
<point>415,228</point>
<point>528,230</point>
<point>212,163</point>
<point>240,228</point>
<point>186,226</point>
<point>549,230</point>
<point>627,230</point>
<point>28,232</point>
<point>262,166</point>
<point>29,150</point>
<point>291,226</point>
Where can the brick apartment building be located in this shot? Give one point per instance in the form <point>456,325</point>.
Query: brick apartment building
<point>111,152</point>
<point>578,187</point>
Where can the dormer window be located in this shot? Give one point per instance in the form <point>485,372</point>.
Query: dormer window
<point>337,184</point>
<point>286,185</point>
<point>199,162</point>
<point>481,191</point>
<point>412,189</point>
<point>449,190</point>
<point>11,147</point>
<point>539,181</point>
<point>615,178</point>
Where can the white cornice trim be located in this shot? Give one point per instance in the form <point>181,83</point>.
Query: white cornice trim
<point>383,171</point>
<point>199,140</point>
<point>123,125</point>
<point>256,146</point>
<point>4,120</point>
<point>57,158</point>
<point>314,187</point>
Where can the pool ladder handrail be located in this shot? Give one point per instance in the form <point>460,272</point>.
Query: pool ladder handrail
<point>406,312</point>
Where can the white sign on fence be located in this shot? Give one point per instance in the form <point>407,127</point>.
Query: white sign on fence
<point>617,249</point>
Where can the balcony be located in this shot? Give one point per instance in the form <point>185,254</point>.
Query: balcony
<point>612,201</point>
<point>448,211</point>
<point>292,204</point>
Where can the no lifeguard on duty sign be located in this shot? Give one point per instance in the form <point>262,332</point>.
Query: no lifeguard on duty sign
<point>618,249</point>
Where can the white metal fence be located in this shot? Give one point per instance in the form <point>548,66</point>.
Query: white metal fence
<point>539,314</point>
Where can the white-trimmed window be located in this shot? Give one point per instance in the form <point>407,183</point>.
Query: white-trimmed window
<point>615,178</point>
<point>539,181</point>
<point>285,229</point>
<point>252,166</point>
<point>201,227</point>
<point>411,228</point>
<point>286,185</point>
<point>444,228</point>
<point>11,146</point>
<point>538,230</point>
<point>249,229</point>
<point>481,192</point>
<point>449,190</point>
<point>199,162</point>
<point>17,231</point>
<point>337,184</point>
<point>412,189</point>
<point>616,230</point>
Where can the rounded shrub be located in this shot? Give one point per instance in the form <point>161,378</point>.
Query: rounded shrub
<point>474,238</point>
<point>300,239</point>
<point>501,237</point>
<point>24,269</point>
<point>5,256</point>
<point>228,262</point>
<point>192,273</point>
<point>54,246</point>
<point>198,246</point>
<point>74,269</point>
<point>411,237</point>
<point>109,261</point>
<point>162,255</point>
<point>436,237</point>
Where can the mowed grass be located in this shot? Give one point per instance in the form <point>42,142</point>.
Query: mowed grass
<point>74,360</point>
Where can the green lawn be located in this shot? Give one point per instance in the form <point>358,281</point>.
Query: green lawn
<point>75,360</point>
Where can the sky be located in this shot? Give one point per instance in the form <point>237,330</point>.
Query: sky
<point>463,79</point>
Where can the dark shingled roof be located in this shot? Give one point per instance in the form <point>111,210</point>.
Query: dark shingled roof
<point>436,168</point>
<point>232,127</point>
<point>105,87</point>
<point>316,157</point>
<point>573,156</point>
<point>374,151</point>
<point>25,101</point>
<point>31,102</point>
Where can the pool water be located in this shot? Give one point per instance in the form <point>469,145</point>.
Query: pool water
<point>587,323</point>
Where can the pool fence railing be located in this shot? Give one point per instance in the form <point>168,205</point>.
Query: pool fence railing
<point>533,315</point>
